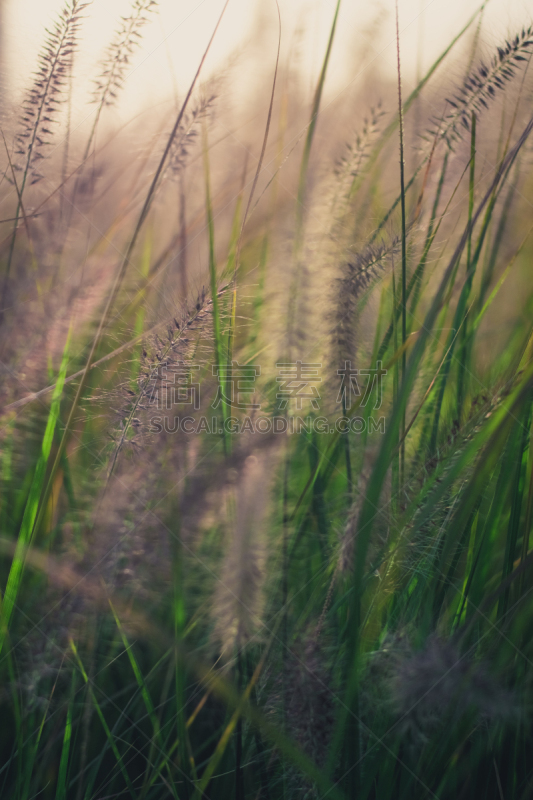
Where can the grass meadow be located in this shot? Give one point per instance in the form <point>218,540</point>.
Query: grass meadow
<point>266,444</point>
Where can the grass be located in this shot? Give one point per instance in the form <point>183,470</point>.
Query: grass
<point>219,579</point>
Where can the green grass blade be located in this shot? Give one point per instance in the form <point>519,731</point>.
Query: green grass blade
<point>109,736</point>
<point>61,791</point>
<point>302,183</point>
<point>27,528</point>
<point>463,366</point>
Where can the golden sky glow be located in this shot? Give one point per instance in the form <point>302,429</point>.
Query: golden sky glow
<point>175,38</point>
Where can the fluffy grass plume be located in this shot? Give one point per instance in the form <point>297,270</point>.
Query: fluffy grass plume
<point>269,539</point>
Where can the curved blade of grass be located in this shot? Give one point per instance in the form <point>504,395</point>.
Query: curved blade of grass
<point>460,310</point>
<point>417,275</point>
<point>404,239</point>
<point>517,493</point>
<point>217,332</point>
<point>302,183</point>
<point>61,791</point>
<point>491,438</point>
<point>470,270</point>
<point>28,526</point>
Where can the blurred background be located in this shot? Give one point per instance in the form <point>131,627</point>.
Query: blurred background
<point>375,574</point>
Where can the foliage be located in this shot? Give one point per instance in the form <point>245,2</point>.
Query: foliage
<point>340,605</point>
